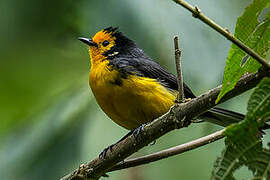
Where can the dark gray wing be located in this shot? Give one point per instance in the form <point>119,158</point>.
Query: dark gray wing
<point>145,67</point>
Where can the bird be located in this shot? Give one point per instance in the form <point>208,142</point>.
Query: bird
<point>132,88</point>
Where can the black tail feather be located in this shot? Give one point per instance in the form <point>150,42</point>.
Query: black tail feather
<point>224,117</point>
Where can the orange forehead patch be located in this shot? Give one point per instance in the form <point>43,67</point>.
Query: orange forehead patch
<point>102,35</point>
<point>97,52</point>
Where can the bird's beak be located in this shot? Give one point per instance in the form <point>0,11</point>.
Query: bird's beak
<point>87,41</point>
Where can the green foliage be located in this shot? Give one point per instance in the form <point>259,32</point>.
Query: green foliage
<point>245,150</point>
<point>252,28</point>
<point>259,103</point>
<point>243,144</point>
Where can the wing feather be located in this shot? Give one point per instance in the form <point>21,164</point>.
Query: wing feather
<point>141,65</point>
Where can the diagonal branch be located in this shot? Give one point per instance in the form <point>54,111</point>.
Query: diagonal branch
<point>172,120</point>
<point>169,152</point>
<point>198,14</point>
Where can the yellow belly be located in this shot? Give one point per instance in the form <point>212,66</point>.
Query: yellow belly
<point>133,100</point>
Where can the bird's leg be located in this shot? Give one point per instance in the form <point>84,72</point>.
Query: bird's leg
<point>137,131</point>
<point>103,153</point>
<point>134,132</point>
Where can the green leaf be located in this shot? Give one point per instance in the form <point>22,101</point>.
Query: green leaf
<point>236,154</point>
<point>243,145</point>
<point>252,28</point>
<point>259,102</point>
<point>245,150</point>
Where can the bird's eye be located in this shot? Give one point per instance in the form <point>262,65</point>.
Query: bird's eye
<point>105,43</point>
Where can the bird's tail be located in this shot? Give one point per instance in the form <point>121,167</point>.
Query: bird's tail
<point>225,117</point>
<point>222,117</point>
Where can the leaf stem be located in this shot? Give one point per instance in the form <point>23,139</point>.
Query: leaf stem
<point>196,13</point>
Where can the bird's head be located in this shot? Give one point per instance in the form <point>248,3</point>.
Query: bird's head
<point>107,44</point>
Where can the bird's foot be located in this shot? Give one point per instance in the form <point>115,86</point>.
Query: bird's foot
<point>102,155</point>
<point>134,132</point>
<point>138,130</point>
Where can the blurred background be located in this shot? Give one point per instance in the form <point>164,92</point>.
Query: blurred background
<point>50,122</point>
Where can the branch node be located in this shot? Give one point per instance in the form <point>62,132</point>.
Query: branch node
<point>179,122</point>
<point>89,170</point>
<point>196,12</point>
<point>83,166</point>
<point>177,52</point>
<point>184,122</point>
<point>83,170</point>
<point>227,30</point>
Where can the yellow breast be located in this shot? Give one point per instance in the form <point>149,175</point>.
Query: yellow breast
<point>129,101</point>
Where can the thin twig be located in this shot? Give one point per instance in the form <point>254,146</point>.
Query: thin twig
<point>196,12</point>
<point>160,126</point>
<point>169,152</point>
<point>177,53</point>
